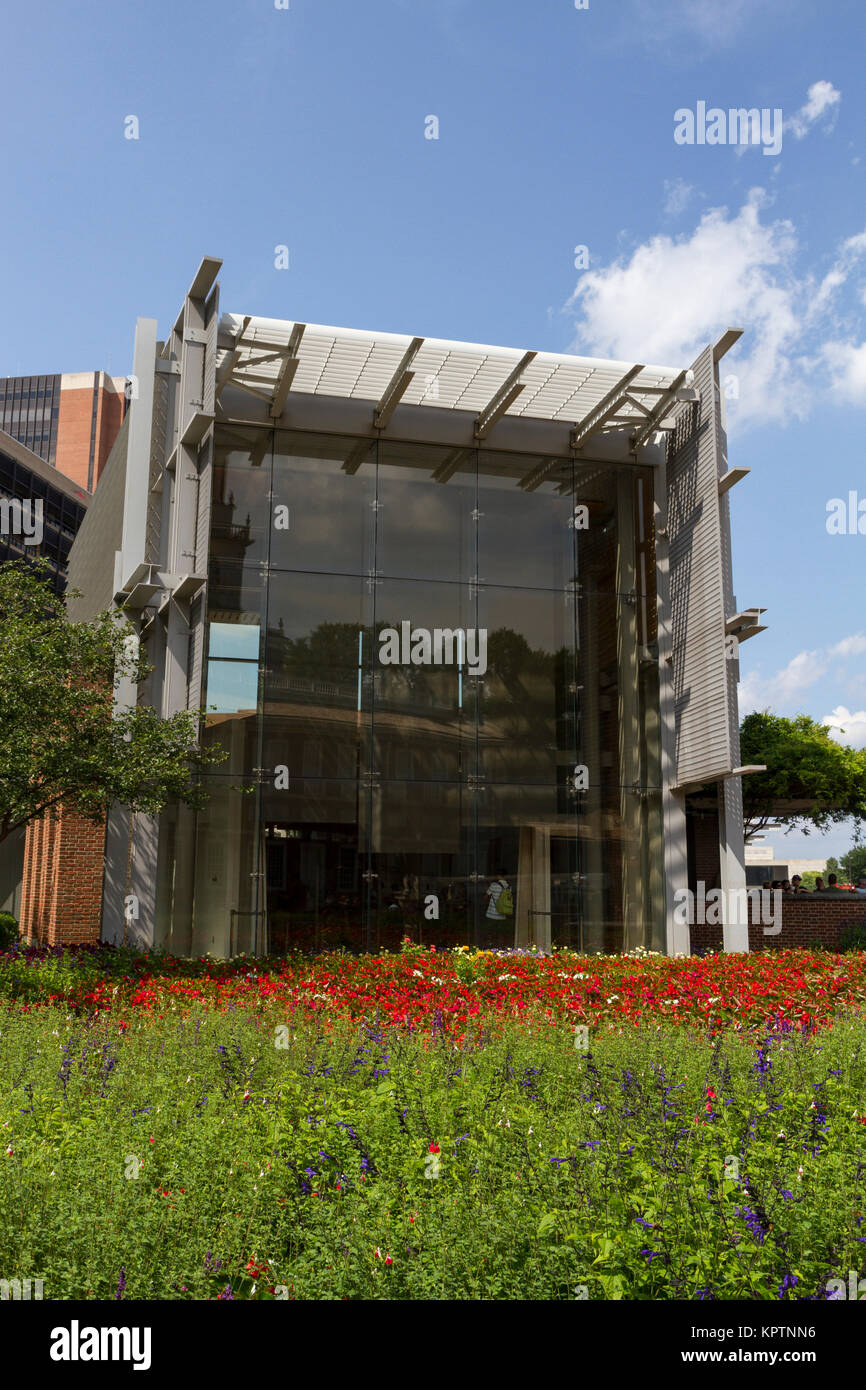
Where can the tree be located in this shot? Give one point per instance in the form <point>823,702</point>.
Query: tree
<point>61,739</point>
<point>852,865</point>
<point>810,781</point>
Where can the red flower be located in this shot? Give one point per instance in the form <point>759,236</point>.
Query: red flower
<point>433,1149</point>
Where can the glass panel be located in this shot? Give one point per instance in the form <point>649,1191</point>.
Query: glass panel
<point>232,686</point>
<point>528,726</point>
<point>236,592</point>
<point>235,641</point>
<point>318,684</point>
<point>425,529</point>
<point>524,538</point>
<point>419,845</point>
<point>227,915</point>
<point>328,484</point>
<point>241,480</point>
<point>427,647</point>
<point>319,633</point>
<point>313,871</point>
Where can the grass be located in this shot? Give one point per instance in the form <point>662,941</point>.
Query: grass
<point>208,1153</point>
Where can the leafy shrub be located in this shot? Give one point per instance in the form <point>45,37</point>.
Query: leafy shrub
<point>8,930</point>
<point>853,937</point>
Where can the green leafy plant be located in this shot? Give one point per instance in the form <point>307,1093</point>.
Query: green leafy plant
<point>853,937</point>
<point>8,930</point>
<point>62,741</point>
<point>811,780</point>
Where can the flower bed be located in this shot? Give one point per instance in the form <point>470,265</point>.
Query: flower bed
<point>456,990</point>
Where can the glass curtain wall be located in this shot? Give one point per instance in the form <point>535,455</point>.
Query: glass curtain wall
<point>431,685</point>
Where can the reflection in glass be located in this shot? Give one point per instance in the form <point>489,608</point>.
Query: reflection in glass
<point>328,484</point>
<point>443,651</point>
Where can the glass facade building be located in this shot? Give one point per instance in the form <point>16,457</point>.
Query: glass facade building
<point>25,481</point>
<point>372,799</point>
<point>458,617</point>
<point>29,411</point>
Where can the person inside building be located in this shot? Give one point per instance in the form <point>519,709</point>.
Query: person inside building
<point>500,910</point>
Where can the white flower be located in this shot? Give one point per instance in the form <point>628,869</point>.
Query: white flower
<point>417,974</point>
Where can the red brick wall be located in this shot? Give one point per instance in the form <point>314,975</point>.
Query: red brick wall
<point>706,847</point>
<point>61,891</point>
<point>804,920</point>
<point>72,455</point>
<point>109,418</point>
<point>74,424</point>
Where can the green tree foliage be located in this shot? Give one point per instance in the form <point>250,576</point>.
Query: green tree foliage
<point>853,863</point>
<point>811,780</point>
<point>61,739</point>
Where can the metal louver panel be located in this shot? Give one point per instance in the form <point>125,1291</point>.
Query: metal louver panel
<point>701,678</point>
<point>158,439</point>
<point>196,653</point>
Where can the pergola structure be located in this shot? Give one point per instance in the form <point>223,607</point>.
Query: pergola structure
<point>271,358</point>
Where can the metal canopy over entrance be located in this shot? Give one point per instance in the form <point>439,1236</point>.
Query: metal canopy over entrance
<point>271,358</point>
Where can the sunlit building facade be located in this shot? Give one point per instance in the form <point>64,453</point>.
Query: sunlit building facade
<point>458,614</point>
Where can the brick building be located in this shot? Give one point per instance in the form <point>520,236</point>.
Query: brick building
<point>70,419</point>
<point>56,434</point>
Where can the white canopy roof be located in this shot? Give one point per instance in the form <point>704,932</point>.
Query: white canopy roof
<point>272,356</point>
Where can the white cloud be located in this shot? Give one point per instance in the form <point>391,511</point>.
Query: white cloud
<point>785,687</point>
<point>847,364</point>
<point>847,726</point>
<point>783,691</point>
<point>822,97</point>
<point>712,24</point>
<point>849,646</point>
<point>672,295</point>
<point>678,195</point>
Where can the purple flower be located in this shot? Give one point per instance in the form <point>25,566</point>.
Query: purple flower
<point>121,1284</point>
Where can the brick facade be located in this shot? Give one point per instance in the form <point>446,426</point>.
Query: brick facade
<point>61,892</point>
<point>805,921</point>
<point>84,439</point>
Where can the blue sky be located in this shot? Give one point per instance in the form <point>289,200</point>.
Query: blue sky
<point>305,127</point>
